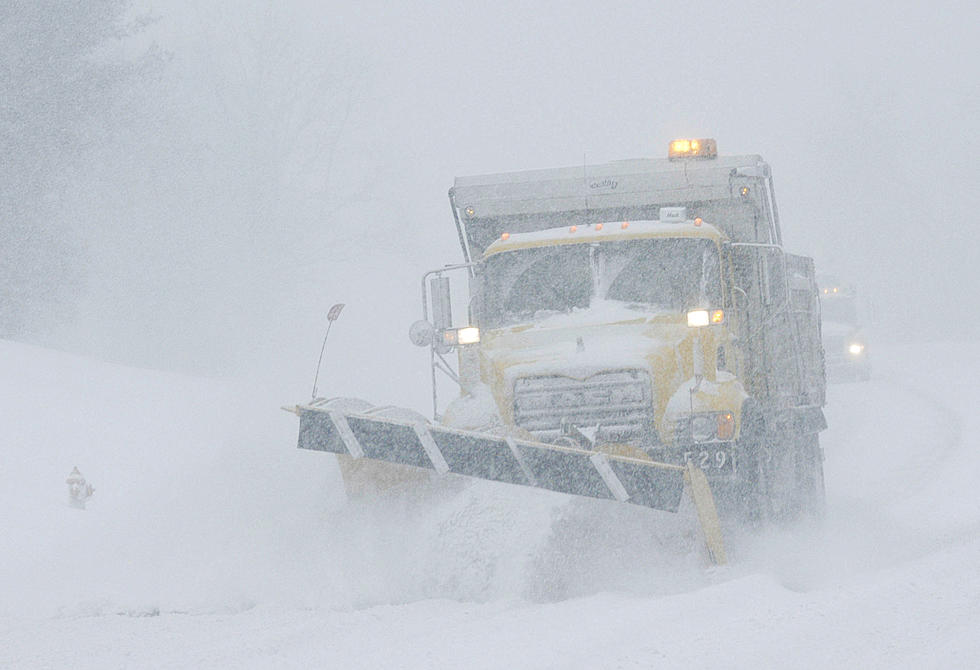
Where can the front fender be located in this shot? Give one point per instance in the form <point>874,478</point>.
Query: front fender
<point>725,394</point>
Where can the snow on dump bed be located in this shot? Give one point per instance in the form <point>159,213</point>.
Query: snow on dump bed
<point>609,231</point>
<point>212,542</point>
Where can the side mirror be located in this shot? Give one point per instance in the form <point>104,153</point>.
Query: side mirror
<point>421,333</point>
<point>442,310</point>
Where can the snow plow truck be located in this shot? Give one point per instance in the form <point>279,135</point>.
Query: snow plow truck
<point>633,330</point>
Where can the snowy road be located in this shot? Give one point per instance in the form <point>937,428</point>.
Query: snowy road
<point>211,542</point>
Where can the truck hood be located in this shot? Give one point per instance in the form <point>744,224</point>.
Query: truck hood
<point>584,342</point>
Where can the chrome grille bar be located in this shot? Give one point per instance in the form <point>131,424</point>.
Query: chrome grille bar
<point>619,401</point>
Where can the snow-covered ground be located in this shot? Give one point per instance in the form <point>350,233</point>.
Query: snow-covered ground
<point>212,542</point>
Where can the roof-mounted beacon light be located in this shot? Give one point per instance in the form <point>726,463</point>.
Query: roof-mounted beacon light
<point>706,148</point>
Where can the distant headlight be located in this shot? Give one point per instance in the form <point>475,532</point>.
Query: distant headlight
<point>855,348</point>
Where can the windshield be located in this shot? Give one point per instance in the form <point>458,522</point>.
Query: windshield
<point>654,275</point>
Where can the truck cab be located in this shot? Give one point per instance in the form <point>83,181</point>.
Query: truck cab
<point>586,332</point>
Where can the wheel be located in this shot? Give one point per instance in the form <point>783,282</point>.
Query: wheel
<point>810,495</point>
<point>753,493</point>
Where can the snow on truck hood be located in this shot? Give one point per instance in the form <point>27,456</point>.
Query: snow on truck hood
<point>583,342</point>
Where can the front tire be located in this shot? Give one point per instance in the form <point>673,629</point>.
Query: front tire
<point>753,501</point>
<point>811,496</point>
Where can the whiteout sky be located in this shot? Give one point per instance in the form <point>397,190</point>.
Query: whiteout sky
<point>361,116</point>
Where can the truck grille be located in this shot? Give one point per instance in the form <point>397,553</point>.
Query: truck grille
<point>619,402</point>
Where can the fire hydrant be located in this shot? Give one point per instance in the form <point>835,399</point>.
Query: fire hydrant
<point>79,490</point>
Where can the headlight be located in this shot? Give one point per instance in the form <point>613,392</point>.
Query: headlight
<point>703,428</point>
<point>707,427</point>
<point>698,318</point>
<point>855,348</point>
<point>701,317</point>
<point>468,335</point>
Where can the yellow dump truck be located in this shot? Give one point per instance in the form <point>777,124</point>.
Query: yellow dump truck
<point>632,330</point>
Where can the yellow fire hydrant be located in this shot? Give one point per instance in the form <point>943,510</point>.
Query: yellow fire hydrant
<point>79,491</point>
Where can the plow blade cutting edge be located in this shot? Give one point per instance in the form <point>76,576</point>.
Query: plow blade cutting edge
<point>513,461</point>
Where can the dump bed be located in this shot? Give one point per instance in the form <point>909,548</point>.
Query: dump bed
<point>732,192</point>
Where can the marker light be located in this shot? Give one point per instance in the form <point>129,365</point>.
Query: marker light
<point>470,211</point>
<point>698,221</point>
<point>573,229</point>
<point>625,225</point>
<point>705,148</point>
<point>855,348</point>
<point>718,316</point>
<point>598,226</point>
<point>744,191</point>
<point>468,335</point>
<point>697,318</point>
<point>505,236</point>
<point>726,426</point>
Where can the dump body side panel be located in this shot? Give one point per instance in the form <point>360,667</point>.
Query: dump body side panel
<point>734,191</point>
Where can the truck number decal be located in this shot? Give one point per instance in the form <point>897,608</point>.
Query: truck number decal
<point>705,460</point>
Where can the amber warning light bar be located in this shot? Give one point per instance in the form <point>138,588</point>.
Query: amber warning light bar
<point>706,148</point>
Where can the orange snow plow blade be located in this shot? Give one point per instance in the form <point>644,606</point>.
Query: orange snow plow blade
<point>512,461</point>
